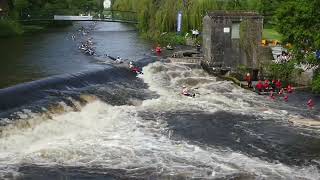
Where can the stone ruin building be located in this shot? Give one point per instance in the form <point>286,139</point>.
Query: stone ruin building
<point>231,39</point>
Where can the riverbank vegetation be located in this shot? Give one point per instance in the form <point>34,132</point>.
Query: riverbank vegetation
<point>10,28</point>
<point>158,16</point>
<point>11,24</point>
<point>298,21</point>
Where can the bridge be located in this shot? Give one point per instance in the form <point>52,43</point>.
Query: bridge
<point>129,17</point>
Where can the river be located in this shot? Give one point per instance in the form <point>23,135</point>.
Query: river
<point>86,118</point>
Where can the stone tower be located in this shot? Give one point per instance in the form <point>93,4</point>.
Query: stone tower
<point>231,39</point>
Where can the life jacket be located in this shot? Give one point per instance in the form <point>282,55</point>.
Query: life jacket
<point>248,78</point>
<point>310,103</point>
<point>266,85</point>
<point>278,84</point>
<point>289,89</point>
<point>259,86</point>
<point>158,49</point>
<point>135,69</point>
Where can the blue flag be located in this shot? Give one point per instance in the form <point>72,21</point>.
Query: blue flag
<point>318,54</point>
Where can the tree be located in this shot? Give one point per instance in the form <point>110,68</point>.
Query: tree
<point>21,7</point>
<point>299,22</point>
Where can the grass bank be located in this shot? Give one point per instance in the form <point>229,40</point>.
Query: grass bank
<point>271,34</point>
<point>165,38</point>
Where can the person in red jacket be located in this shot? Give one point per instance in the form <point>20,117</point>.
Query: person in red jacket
<point>136,70</point>
<point>266,85</point>
<point>248,78</point>
<point>259,87</point>
<point>278,85</point>
<point>289,89</point>
<point>286,98</point>
<point>158,49</point>
<point>310,104</point>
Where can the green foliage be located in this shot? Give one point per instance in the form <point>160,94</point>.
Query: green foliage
<point>9,28</point>
<point>242,69</point>
<point>165,38</point>
<point>47,8</point>
<point>171,38</point>
<point>299,22</point>
<point>316,83</point>
<point>160,15</point>
<point>271,34</point>
<point>284,71</point>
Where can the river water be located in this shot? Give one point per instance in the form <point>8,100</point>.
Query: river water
<point>100,121</point>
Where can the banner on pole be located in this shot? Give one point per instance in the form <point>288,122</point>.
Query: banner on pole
<point>179,21</point>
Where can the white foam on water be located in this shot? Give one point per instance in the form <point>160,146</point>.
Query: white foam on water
<point>115,137</point>
<point>101,135</point>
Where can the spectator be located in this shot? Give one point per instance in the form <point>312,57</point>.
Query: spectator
<point>278,85</point>
<point>248,78</point>
<point>259,87</point>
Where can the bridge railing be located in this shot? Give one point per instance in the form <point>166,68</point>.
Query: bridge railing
<point>107,15</point>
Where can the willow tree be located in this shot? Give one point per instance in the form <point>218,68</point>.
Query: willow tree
<point>161,15</point>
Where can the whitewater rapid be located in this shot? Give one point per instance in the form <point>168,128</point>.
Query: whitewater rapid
<point>144,140</point>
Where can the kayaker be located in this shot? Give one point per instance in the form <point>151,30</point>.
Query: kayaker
<point>185,92</point>
<point>310,104</point>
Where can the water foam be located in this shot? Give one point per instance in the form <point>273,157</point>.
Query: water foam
<point>101,135</point>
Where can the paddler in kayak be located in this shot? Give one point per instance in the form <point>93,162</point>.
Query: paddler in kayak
<point>119,60</point>
<point>134,68</point>
<point>185,92</point>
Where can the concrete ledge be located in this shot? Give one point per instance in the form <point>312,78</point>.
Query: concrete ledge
<point>186,60</point>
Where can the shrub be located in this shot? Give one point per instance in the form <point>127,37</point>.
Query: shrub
<point>316,83</point>
<point>9,28</point>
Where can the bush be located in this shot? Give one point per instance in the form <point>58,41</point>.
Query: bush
<point>10,28</point>
<point>316,83</point>
<point>165,38</point>
<point>172,38</point>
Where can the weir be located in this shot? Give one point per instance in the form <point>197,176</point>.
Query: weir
<point>143,128</point>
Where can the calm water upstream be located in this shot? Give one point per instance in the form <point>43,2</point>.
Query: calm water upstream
<point>86,118</point>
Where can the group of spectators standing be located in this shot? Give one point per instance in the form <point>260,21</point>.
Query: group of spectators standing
<point>274,88</point>
<point>284,57</point>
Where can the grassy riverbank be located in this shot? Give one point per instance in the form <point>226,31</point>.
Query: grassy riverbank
<point>271,34</point>
<point>165,38</point>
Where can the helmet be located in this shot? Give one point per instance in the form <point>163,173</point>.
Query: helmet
<point>131,62</point>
